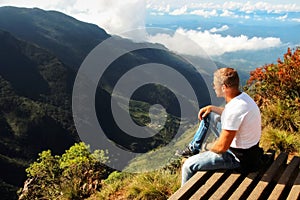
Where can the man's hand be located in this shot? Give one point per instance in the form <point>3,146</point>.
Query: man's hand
<point>203,112</point>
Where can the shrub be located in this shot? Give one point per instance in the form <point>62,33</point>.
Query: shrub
<point>275,88</point>
<point>43,177</point>
<point>280,140</point>
<point>75,175</point>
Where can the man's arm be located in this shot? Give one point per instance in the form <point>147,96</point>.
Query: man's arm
<point>223,142</point>
<point>203,112</point>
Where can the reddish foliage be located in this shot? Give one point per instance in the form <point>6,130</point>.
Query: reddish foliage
<point>276,89</point>
<point>280,80</point>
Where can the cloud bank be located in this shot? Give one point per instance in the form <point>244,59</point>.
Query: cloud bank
<point>206,6</point>
<point>119,16</point>
<point>213,44</point>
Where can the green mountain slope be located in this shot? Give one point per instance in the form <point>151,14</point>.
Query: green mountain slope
<point>40,52</point>
<point>33,84</point>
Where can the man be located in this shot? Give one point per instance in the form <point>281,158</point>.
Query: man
<point>237,145</point>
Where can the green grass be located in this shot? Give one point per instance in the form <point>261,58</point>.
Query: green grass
<point>152,185</point>
<point>280,140</point>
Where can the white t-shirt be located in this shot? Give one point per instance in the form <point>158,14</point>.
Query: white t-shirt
<point>241,114</point>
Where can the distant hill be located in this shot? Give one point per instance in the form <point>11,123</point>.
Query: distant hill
<point>40,53</point>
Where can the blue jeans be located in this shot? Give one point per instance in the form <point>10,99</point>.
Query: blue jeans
<point>210,122</point>
<point>207,160</point>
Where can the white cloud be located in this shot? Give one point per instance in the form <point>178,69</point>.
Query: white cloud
<point>114,16</point>
<point>230,5</point>
<point>213,44</point>
<point>157,13</point>
<point>296,19</point>
<point>227,13</point>
<point>223,28</point>
<point>250,6</point>
<point>180,11</point>
<point>29,4</point>
<point>165,8</point>
<point>177,43</point>
<point>205,13</point>
<point>282,18</point>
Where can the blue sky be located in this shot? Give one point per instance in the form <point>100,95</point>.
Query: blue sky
<point>220,35</point>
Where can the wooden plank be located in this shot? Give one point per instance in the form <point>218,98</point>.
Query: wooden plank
<point>286,176</point>
<point>268,176</point>
<point>244,186</point>
<point>226,186</point>
<point>248,183</point>
<point>209,185</point>
<point>191,186</point>
<point>295,191</point>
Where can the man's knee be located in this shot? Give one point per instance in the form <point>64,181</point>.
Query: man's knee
<point>186,165</point>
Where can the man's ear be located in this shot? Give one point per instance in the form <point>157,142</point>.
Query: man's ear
<point>223,88</point>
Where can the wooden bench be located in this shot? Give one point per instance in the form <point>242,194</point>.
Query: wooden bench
<point>276,180</point>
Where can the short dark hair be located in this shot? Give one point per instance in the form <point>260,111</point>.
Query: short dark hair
<point>228,76</point>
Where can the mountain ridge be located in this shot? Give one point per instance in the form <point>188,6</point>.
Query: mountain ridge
<point>44,28</point>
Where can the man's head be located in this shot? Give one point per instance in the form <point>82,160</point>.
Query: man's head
<point>225,78</point>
